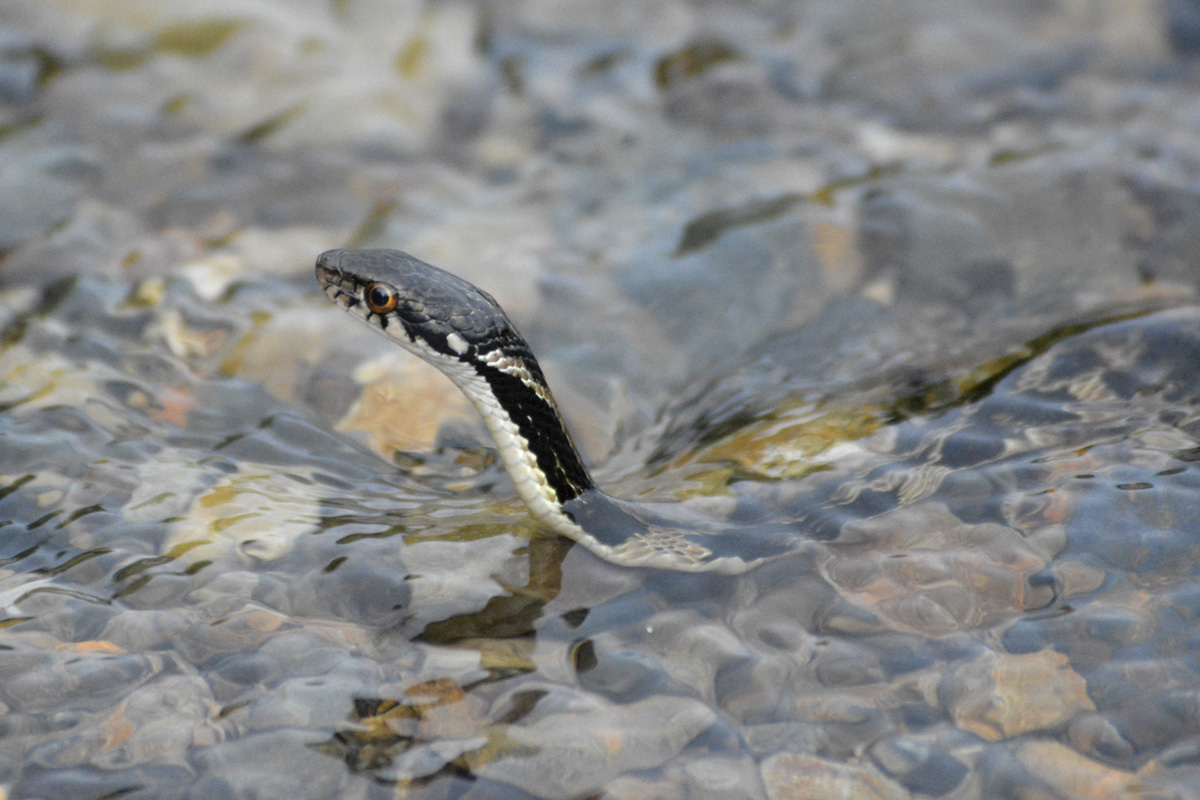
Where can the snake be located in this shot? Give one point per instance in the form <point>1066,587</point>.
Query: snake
<point>463,332</point>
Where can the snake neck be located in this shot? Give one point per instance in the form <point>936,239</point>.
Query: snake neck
<point>534,444</point>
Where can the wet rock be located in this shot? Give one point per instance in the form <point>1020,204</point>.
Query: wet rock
<point>428,400</point>
<point>167,782</point>
<point>791,776</point>
<point>361,590</point>
<point>921,765</point>
<point>240,631</point>
<point>225,592</point>
<point>567,755</point>
<point>858,259</point>
<point>1096,735</point>
<point>935,247</point>
<point>631,787</point>
<point>837,663</point>
<point>733,274</point>
<point>277,763</point>
<point>156,724</point>
<point>318,648</point>
<point>39,186</point>
<point>692,650</point>
<point>305,703</point>
<point>88,679</point>
<point>1061,770</point>
<point>1078,578</point>
<point>729,100</point>
<point>1151,718</point>
<point>254,515</point>
<point>777,737</point>
<point>849,718</point>
<point>723,779</point>
<point>622,673</point>
<point>932,573</point>
<point>146,629</point>
<point>451,578</point>
<point>998,696</point>
<point>751,689</point>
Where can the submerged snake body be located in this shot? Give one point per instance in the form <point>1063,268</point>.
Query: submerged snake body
<point>462,331</point>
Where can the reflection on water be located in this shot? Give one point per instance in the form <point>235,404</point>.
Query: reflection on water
<point>913,282</point>
<point>1006,554</point>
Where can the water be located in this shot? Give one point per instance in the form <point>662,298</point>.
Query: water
<point>914,283</point>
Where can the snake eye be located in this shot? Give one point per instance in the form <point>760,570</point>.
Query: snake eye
<point>381,298</point>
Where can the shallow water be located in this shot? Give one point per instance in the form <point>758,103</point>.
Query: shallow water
<point>917,287</point>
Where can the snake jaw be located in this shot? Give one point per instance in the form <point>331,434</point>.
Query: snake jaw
<point>333,281</point>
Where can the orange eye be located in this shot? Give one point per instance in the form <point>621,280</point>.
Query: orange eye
<point>381,298</point>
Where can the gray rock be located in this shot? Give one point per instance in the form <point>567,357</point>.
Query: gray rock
<point>570,755</point>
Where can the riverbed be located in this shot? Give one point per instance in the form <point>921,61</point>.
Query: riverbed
<point>914,284</point>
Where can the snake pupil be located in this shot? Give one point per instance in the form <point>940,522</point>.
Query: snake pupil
<point>381,298</point>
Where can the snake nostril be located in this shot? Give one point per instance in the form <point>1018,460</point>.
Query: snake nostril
<point>328,270</point>
<point>327,275</point>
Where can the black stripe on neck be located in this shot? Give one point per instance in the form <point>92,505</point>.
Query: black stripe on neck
<point>539,423</point>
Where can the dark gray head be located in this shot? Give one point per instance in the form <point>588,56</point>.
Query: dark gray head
<point>414,303</point>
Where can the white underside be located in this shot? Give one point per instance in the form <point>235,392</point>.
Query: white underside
<point>515,453</point>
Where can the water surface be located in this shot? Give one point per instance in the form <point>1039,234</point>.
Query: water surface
<point>915,284</point>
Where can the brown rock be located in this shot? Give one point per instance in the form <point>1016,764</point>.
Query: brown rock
<point>998,696</point>
<point>792,776</point>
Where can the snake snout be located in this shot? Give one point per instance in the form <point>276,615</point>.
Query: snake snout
<point>328,271</point>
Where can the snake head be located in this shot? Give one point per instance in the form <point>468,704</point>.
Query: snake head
<point>414,303</point>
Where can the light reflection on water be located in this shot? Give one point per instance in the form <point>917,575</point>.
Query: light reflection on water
<point>421,630</point>
<point>910,280</point>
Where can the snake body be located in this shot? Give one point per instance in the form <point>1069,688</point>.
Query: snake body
<point>463,331</point>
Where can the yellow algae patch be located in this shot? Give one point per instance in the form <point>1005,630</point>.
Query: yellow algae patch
<point>250,514</point>
<point>91,647</point>
<point>413,57</point>
<point>787,443</point>
<point>30,381</point>
<point>793,440</point>
<point>196,38</point>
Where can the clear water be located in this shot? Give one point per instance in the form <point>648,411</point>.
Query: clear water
<point>915,285</point>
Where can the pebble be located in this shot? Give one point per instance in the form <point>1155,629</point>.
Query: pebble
<point>792,776</point>
<point>692,650</point>
<point>568,755</point>
<point>999,696</point>
<point>921,764</point>
<point>255,515</point>
<point>723,779</point>
<point>88,681</point>
<point>266,765</point>
<point>931,573</point>
<point>1095,735</point>
<point>1066,773</point>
